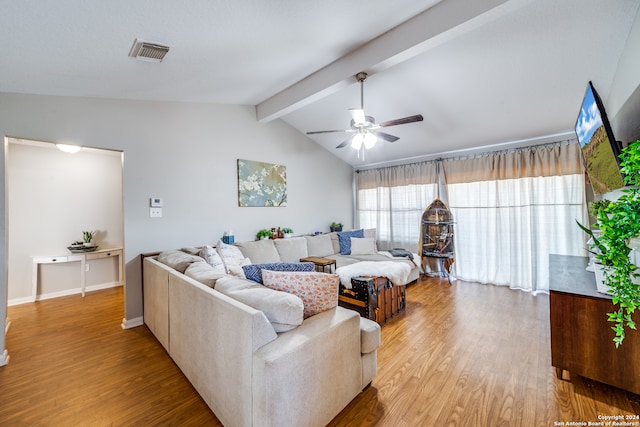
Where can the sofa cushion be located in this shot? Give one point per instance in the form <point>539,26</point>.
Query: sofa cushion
<point>231,255</point>
<point>335,242</point>
<point>344,237</point>
<point>178,260</point>
<point>254,271</point>
<point>283,310</point>
<point>363,246</point>
<point>318,291</point>
<point>204,273</point>
<point>260,251</point>
<point>292,249</point>
<point>211,257</point>
<point>319,245</point>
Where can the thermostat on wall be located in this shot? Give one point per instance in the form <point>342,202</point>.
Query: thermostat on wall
<point>156,202</point>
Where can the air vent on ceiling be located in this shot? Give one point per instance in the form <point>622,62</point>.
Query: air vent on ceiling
<point>148,51</point>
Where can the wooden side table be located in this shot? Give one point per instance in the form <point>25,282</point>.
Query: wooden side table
<point>321,263</point>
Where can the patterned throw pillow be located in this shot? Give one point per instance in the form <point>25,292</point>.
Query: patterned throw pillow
<point>254,271</point>
<point>231,255</point>
<point>212,258</point>
<point>344,237</point>
<point>318,291</point>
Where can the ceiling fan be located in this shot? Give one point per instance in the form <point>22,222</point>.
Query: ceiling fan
<point>365,128</point>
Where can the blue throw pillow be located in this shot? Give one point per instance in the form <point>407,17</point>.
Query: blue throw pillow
<point>344,238</point>
<point>254,271</point>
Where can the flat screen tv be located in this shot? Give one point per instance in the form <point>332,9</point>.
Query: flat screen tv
<point>600,150</point>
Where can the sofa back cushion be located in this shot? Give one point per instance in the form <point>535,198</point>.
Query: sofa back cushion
<point>292,249</point>
<point>318,291</point>
<point>178,260</point>
<point>260,251</point>
<point>320,245</point>
<point>283,310</point>
<point>254,271</point>
<point>204,273</point>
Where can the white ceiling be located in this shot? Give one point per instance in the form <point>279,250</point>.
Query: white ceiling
<point>483,73</point>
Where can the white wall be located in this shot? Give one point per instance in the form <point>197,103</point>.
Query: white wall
<point>51,198</point>
<point>623,103</point>
<point>187,154</point>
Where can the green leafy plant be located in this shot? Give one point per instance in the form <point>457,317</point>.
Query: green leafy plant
<point>619,221</point>
<point>87,236</point>
<point>596,206</point>
<point>287,230</point>
<point>335,226</point>
<point>263,233</point>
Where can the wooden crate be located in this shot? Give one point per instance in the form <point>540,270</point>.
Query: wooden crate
<point>374,298</point>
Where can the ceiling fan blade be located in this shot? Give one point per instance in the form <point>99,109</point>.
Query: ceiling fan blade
<point>345,142</point>
<point>329,131</point>
<point>386,136</point>
<point>402,121</point>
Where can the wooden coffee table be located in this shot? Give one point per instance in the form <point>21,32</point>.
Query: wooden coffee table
<point>321,263</point>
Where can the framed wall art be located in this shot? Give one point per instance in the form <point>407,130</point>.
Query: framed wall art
<point>261,184</point>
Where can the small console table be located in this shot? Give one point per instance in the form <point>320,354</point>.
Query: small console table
<point>581,336</point>
<point>320,263</point>
<point>82,258</point>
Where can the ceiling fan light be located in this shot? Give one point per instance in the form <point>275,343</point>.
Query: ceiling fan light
<point>357,115</point>
<point>369,140</point>
<point>357,141</point>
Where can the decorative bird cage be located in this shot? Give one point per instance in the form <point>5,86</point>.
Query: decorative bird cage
<point>436,239</point>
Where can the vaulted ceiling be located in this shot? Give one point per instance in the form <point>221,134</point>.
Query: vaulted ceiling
<point>483,73</point>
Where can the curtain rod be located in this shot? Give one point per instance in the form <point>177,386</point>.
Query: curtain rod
<point>484,154</point>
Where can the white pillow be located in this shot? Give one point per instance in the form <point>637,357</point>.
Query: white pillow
<point>212,258</point>
<point>371,232</point>
<point>363,246</point>
<point>231,255</point>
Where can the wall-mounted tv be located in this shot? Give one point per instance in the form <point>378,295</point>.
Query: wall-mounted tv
<point>600,150</point>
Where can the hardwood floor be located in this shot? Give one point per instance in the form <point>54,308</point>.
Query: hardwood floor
<point>458,355</point>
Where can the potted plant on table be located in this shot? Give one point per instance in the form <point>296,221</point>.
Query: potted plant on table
<point>619,222</point>
<point>335,226</point>
<point>263,234</point>
<point>87,237</point>
<point>287,232</point>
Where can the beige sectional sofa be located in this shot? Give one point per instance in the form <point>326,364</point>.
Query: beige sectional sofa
<point>325,246</point>
<point>246,348</point>
<point>246,372</point>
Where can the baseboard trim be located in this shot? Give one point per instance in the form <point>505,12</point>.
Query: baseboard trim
<point>4,358</point>
<point>64,293</point>
<point>132,323</point>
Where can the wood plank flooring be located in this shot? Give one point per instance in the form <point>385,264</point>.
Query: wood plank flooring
<point>459,355</point>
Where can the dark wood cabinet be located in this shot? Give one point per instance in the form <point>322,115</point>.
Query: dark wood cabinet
<point>581,337</point>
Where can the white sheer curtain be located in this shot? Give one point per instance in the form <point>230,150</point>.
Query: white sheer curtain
<point>506,229</point>
<point>511,210</point>
<point>392,201</point>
